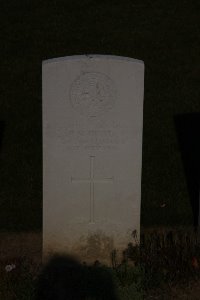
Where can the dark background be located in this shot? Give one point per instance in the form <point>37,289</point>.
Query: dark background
<point>164,34</point>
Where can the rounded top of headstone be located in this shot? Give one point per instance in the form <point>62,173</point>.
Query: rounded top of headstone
<point>92,56</point>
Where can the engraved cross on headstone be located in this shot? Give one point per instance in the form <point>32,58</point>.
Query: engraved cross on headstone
<point>92,180</point>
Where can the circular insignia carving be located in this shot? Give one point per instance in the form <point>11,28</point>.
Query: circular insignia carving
<point>92,94</point>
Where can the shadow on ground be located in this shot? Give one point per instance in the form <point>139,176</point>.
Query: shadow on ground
<point>63,278</point>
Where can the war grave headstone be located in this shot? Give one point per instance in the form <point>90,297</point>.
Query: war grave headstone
<point>92,154</point>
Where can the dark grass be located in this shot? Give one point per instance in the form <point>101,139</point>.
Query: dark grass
<point>165,34</point>
<point>167,257</point>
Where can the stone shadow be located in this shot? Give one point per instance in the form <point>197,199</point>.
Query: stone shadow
<point>188,134</point>
<point>2,129</point>
<point>64,278</point>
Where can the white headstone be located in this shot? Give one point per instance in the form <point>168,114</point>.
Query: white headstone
<point>92,154</point>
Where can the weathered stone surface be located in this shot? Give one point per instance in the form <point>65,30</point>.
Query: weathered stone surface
<point>92,154</point>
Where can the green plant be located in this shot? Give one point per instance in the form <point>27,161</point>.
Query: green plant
<point>166,257</point>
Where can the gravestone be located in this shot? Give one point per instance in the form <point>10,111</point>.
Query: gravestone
<point>92,154</point>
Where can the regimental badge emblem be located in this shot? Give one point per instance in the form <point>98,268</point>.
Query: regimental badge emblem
<point>92,94</point>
